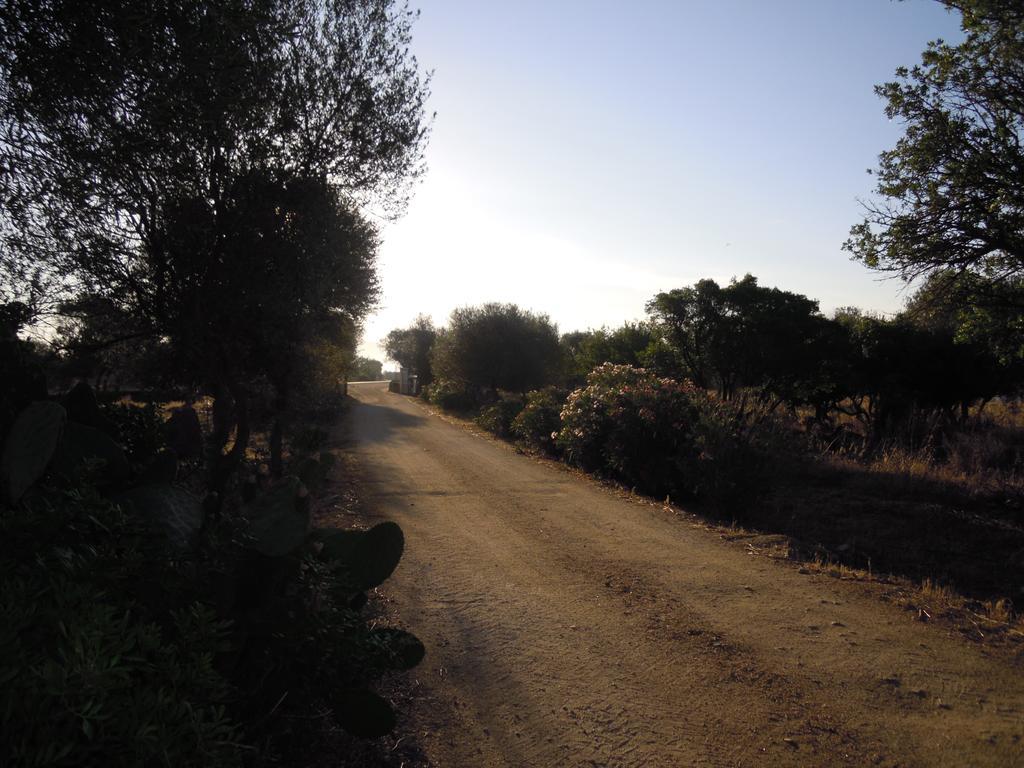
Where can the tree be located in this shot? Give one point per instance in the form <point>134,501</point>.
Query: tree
<point>365,369</point>
<point>586,350</point>
<point>746,335</point>
<point>201,165</point>
<point>412,348</point>
<point>952,188</point>
<point>498,346</point>
<point>975,312</point>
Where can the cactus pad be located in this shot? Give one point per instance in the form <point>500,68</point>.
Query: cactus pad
<point>30,445</point>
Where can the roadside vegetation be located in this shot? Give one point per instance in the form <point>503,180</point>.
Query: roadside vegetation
<point>892,444</point>
<point>186,260</point>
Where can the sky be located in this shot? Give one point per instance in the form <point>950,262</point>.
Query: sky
<point>586,155</point>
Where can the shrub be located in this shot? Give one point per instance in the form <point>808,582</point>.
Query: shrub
<point>498,416</point>
<point>93,673</point>
<point>538,423</point>
<point>737,439</point>
<point>449,395</point>
<point>142,429</point>
<point>634,426</point>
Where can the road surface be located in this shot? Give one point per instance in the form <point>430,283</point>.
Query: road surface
<point>568,625</point>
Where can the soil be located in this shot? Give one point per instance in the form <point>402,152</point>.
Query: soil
<point>570,624</point>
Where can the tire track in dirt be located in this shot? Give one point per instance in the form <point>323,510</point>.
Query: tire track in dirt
<point>566,625</point>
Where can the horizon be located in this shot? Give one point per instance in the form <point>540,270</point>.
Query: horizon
<point>600,189</point>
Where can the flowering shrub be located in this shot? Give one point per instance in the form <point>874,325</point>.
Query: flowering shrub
<point>498,416</point>
<point>632,425</point>
<point>538,423</point>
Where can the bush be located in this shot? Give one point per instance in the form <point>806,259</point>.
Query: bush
<point>449,396</point>
<point>538,423</point>
<point>104,661</point>
<point>142,429</point>
<point>497,417</point>
<point>631,425</point>
<point>737,439</point>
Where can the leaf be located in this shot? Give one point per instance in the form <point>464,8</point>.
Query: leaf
<point>168,509</point>
<point>30,445</point>
<point>370,556</point>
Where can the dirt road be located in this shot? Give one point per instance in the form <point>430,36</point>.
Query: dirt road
<point>567,625</point>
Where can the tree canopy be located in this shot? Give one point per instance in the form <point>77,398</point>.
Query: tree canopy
<point>498,346</point>
<point>952,189</point>
<point>412,347</point>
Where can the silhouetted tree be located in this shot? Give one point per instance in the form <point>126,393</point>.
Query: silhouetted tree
<point>498,346</point>
<point>746,335</point>
<point>412,348</point>
<point>143,146</point>
<point>951,188</point>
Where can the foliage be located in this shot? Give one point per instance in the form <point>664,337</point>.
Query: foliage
<point>449,395</point>
<point>742,443</point>
<point>127,637</point>
<point>978,313</point>
<point>412,348</point>
<point>904,373</point>
<point>746,335</point>
<point>499,415</point>
<point>104,660</point>
<point>625,345</point>
<point>233,145</point>
<point>950,189</point>
<point>142,430</point>
<point>538,423</point>
<point>498,346</point>
<point>635,427</point>
<point>365,369</point>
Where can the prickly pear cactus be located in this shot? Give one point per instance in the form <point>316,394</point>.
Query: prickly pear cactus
<point>399,649</point>
<point>312,473</point>
<point>279,519</point>
<point>81,446</point>
<point>368,556</point>
<point>364,714</point>
<point>184,432</point>
<point>30,445</point>
<point>168,509</point>
<point>83,408</point>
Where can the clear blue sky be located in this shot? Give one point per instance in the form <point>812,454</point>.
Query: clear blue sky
<point>587,155</point>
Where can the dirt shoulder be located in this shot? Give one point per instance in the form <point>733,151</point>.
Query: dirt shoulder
<point>566,624</point>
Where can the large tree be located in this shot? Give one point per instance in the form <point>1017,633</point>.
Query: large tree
<point>412,347</point>
<point>498,346</point>
<point>748,335</point>
<point>202,164</point>
<point>952,190</point>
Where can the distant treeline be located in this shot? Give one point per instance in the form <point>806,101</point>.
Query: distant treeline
<point>936,358</point>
